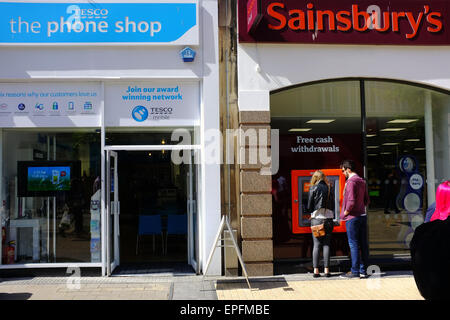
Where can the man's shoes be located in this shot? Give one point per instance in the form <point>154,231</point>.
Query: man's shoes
<point>363,276</point>
<point>316,275</point>
<point>349,275</point>
<point>327,275</point>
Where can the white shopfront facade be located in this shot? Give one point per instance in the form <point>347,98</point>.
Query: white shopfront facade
<point>119,70</point>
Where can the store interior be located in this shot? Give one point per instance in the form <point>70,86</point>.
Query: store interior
<point>51,183</point>
<point>151,185</point>
<point>321,125</point>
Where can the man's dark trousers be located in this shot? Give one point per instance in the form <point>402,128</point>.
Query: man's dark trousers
<point>357,239</point>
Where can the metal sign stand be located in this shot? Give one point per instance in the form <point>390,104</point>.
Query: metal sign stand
<point>225,223</point>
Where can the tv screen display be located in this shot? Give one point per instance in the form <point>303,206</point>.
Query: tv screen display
<point>45,178</point>
<point>48,179</point>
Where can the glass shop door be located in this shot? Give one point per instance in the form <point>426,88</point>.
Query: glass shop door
<point>113,211</point>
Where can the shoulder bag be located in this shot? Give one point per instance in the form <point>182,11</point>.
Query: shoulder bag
<point>319,230</point>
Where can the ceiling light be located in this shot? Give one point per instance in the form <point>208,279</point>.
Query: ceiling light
<point>390,144</point>
<point>393,129</point>
<point>412,140</point>
<point>419,149</point>
<point>300,129</point>
<point>372,154</point>
<point>372,147</point>
<point>386,152</point>
<point>403,120</point>
<point>370,135</point>
<point>321,121</point>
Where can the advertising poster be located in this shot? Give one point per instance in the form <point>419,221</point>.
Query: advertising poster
<point>152,104</point>
<point>50,105</point>
<point>48,179</point>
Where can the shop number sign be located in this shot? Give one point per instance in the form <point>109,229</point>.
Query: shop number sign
<point>346,21</point>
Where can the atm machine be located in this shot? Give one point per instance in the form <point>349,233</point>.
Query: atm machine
<point>300,188</point>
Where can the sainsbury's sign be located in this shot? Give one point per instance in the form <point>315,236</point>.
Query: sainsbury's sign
<point>253,14</point>
<point>349,21</point>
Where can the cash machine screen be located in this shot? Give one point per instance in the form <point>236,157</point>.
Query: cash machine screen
<point>300,189</point>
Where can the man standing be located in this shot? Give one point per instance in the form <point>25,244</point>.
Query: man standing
<point>353,211</point>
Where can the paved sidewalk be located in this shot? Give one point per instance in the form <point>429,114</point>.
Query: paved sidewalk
<point>387,286</point>
<point>112,288</point>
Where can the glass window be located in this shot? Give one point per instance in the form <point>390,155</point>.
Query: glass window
<point>407,156</point>
<point>441,136</point>
<point>149,136</point>
<point>320,125</point>
<point>51,191</point>
<point>399,118</point>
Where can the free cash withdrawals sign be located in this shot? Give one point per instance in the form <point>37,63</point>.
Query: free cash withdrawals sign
<point>146,22</point>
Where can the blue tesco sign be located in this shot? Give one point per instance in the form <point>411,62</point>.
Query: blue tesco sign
<point>152,22</point>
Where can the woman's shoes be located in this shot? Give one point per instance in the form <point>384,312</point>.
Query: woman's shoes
<point>326,275</point>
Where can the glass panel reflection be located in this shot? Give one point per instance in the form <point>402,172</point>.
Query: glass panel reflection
<point>51,182</point>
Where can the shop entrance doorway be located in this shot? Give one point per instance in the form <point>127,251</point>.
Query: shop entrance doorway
<point>152,213</point>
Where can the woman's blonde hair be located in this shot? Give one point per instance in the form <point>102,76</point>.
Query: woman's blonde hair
<point>317,177</point>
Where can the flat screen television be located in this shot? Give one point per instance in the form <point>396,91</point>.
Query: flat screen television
<point>46,178</point>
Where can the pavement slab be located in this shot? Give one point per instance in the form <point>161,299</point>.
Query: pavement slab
<point>386,286</point>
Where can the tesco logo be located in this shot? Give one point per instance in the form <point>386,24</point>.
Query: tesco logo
<point>99,13</point>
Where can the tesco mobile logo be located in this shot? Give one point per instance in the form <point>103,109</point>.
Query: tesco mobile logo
<point>87,13</point>
<point>139,113</point>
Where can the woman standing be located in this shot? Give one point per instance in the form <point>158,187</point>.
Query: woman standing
<point>321,204</point>
<point>430,250</point>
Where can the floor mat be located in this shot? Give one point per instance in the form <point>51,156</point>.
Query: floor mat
<point>157,269</point>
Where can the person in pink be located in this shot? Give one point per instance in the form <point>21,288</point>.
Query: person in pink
<point>430,250</point>
<point>442,202</point>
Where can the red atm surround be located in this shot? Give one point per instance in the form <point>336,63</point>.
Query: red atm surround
<point>295,174</point>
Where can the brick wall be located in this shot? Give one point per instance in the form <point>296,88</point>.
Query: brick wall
<point>255,196</point>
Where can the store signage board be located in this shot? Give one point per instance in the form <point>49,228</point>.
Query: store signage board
<point>147,22</point>
<point>253,14</point>
<point>154,104</point>
<point>50,105</point>
<point>383,22</point>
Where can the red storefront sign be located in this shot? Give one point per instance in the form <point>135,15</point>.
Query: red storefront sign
<point>400,22</point>
<point>253,14</point>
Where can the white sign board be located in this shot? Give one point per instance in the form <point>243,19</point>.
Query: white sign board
<point>50,105</point>
<point>159,104</point>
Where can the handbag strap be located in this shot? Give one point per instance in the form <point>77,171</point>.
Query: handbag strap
<point>328,197</point>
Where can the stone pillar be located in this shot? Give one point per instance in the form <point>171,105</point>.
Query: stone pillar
<point>255,193</point>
